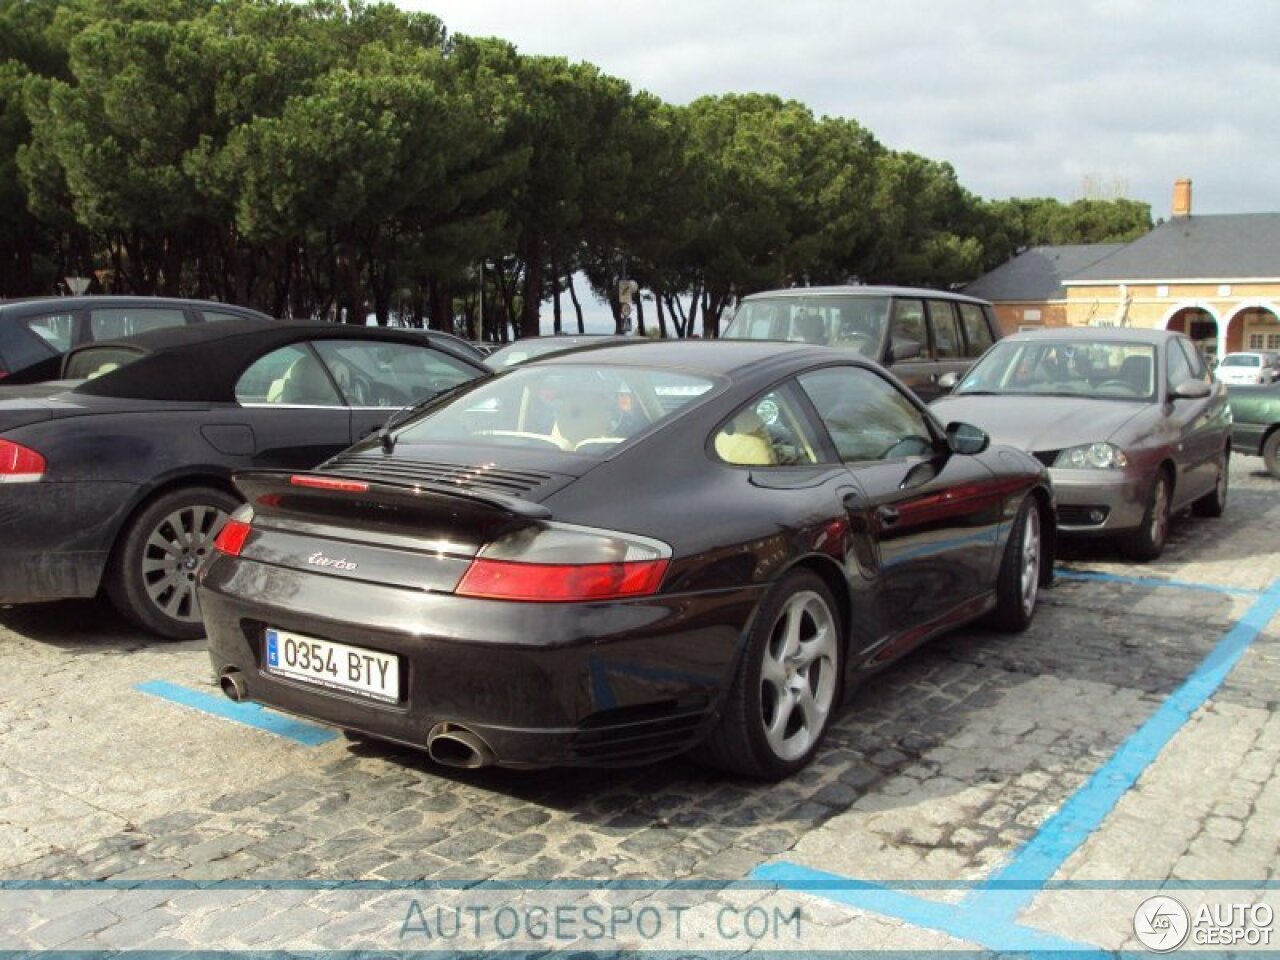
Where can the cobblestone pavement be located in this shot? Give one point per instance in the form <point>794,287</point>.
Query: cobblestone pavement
<point>940,769</point>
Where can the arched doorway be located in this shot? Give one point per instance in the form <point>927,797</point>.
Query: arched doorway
<point>1255,326</point>
<point>1198,323</point>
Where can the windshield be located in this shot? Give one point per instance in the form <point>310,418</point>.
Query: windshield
<point>566,407</point>
<point>1241,360</point>
<point>523,350</point>
<point>852,322</point>
<point>1107,369</point>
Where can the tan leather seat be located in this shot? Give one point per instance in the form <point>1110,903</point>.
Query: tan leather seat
<point>744,440</point>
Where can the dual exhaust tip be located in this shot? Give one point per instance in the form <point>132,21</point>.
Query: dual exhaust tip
<point>448,744</point>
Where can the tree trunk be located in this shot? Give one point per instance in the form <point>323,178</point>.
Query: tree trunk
<point>640,315</point>
<point>573,295</point>
<point>529,325</point>
<point>662,317</point>
<point>556,325</point>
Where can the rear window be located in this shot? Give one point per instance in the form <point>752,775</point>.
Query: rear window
<point>94,362</point>
<point>570,408</point>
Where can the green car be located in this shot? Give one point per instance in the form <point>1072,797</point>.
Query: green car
<point>1255,430</point>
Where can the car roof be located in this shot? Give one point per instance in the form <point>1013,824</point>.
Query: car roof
<point>853,290</point>
<point>201,362</point>
<point>27,305</point>
<point>1125,334</point>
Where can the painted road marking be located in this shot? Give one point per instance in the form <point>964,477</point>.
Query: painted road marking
<point>987,914</point>
<point>250,714</point>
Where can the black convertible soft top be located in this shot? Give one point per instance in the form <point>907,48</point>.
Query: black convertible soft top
<point>201,362</point>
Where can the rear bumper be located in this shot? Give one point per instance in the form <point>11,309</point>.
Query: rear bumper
<point>55,538</point>
<point>600,684</point>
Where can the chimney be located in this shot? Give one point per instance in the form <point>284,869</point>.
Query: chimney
<point>1182,197</point>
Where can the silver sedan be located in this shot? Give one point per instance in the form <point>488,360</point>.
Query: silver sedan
<point>1130,423</point>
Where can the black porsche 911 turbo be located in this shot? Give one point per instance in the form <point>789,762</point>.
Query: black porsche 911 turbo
<point>611,557</point>
<point>119,476</point>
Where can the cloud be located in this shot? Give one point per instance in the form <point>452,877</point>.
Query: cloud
<point>1023,99</point>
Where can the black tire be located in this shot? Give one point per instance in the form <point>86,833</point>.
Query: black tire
<point>1147,542</point>
<point>1214,503</point>
<point>1018,583</point>
<point>1271,453</point>
<point>746,741</point>
<point>152,575</point>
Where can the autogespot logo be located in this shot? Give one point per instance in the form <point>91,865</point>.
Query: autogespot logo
<point>1161,924</point>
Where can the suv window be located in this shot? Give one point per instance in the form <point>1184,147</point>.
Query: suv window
<point>976,329</point>
<point>946,332</point>
<point>908,325</point>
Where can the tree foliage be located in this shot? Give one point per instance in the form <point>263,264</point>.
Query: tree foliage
<point>339,158</point>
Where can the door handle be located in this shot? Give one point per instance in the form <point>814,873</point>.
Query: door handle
<point>888,515</point>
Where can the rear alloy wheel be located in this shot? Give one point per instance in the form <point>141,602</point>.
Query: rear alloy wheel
<point>1018,585</point>
<point>1271,453</point>
<point>1147,542</point>
<point>1214,504</point>
<point>787,685</point>
<point>152,579</point>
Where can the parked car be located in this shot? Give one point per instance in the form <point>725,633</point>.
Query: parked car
<point>529,348</point>
<point>1255,426</point>
<point>921,334</point>
<point>1250,367</point>
<point>34,334</point>
<point>493,583</point>
<point>1128,421</point>
<point>120,476</point>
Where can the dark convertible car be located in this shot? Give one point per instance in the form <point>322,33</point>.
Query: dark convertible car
<point>613,556</point>
<point>120,475</point>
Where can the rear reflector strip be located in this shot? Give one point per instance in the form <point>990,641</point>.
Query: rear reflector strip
<point>327,483</point>
<point>19,464</point>
<point>560,582</point>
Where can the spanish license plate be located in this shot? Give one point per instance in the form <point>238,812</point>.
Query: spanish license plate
<point>334,665</point>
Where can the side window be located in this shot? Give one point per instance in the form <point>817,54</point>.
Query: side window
<point>976,329</point>
<point>946,334</point>
<point>290,376</point>
<point>908,326</point>
<point>108,323</point>
<point>55,329</point>
<point>1195,359</point>
<point>387,374</point>
<point>867,417</point>
<point>1178,367</point>
<point>768,432</point>
<point>216,316</point>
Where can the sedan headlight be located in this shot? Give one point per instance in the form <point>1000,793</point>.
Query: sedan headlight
<point>1092,456</point>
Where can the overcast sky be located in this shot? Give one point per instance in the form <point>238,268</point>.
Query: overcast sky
<point>1023,98</point>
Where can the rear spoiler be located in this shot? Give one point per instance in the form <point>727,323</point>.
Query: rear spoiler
<point>258,484</point>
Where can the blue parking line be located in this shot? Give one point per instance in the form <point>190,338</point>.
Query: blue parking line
<point>1153,582</point>
<point>250,714</point>
<point>987,914</point>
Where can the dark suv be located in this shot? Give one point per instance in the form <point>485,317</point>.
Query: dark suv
<point>34,333</point>
<point>921,334</point>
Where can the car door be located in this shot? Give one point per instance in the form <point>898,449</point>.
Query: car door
<point>933,515</point>
<point>291,414</point>
<point>379,377</point>
<point>950,354</point>
<point>1199,422</point>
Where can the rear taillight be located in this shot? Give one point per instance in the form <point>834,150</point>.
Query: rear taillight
<point>19,464</point>
<point>558,563</point>
<point>231,537</point>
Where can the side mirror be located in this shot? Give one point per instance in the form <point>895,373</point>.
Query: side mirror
<point>966,438</point>
<point>948,381</point>
<point>903,350</point>
<point>1191,390</point>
